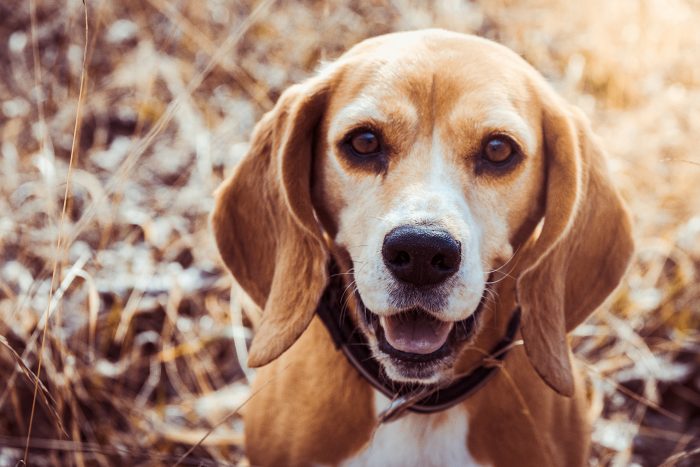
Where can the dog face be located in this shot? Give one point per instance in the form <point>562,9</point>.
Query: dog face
<point>424,160</point>
<point>418,162</point>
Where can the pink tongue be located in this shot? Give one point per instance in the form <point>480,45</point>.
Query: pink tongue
<point>415,332</point>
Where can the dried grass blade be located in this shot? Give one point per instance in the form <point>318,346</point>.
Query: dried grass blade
<point>73,157</point>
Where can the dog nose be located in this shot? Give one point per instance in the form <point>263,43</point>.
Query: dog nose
<point>421,255</point>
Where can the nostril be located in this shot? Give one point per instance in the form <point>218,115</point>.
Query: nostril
<point>444,263</point>
<point>401,259</point>
<point>438,262</point>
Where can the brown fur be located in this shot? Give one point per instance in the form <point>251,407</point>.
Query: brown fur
<point>265,227</point>
<point>309,405</point>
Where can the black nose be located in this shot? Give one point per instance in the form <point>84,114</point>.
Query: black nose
<point>421,255</point>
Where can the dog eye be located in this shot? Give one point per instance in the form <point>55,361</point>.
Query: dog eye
<point>498,150</point>
<point>365,143</point>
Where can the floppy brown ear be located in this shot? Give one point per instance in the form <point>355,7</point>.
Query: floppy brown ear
<point>265,226</point>
<point>584,247</point>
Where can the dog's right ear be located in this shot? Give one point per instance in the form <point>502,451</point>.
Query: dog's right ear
<point>265,226</point>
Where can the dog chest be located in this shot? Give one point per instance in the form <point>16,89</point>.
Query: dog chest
<point>438,439</point>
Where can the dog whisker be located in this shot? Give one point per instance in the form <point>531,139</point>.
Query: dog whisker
<point>506,263</point>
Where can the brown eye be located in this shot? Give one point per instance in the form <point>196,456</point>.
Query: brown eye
<point>498,150</point>
<point>365,143</point>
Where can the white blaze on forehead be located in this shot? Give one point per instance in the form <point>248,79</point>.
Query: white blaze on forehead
<point>433,192</point>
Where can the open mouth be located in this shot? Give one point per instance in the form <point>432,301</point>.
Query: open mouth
<point>415,332</point>
<point>415,335</point>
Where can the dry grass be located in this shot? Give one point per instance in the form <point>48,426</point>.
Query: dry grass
<point>105,197</point>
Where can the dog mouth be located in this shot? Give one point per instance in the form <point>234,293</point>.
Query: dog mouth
<point>417,336</point>
<point>415,332</point>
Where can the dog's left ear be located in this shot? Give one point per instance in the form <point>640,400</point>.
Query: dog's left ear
<point>584,247</point>
<point>265,225</point>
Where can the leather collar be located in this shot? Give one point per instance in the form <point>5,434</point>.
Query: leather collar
<point>416,398</point>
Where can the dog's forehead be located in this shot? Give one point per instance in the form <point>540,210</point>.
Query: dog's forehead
<point>431,78</point>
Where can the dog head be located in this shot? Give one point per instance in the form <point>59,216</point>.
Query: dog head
<point>424,160</point>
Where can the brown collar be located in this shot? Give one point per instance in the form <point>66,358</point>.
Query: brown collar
<point>416,398</point>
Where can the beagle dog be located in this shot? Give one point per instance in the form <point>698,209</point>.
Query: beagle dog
<point>406,219</point>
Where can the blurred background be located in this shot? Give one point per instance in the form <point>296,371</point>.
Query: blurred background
<point>113,139</point>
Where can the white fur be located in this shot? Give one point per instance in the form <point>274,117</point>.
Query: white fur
<point>418,440</point>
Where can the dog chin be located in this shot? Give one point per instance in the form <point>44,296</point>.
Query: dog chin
<point>424,373</point>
